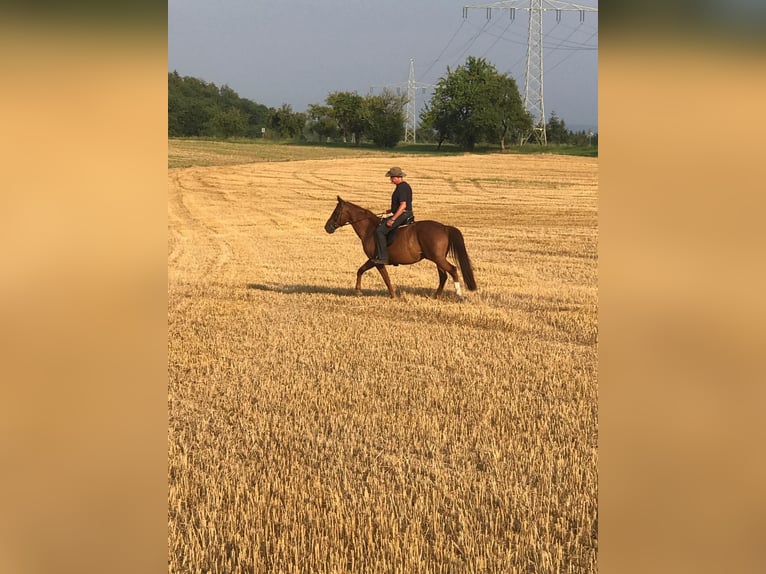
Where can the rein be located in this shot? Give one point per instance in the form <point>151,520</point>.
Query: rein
<point>357,220</point>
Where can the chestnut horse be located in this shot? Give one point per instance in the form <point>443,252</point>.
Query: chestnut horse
<point>420,240</point>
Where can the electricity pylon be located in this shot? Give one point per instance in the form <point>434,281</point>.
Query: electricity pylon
<point>533,82</point>
<point>411,108</point>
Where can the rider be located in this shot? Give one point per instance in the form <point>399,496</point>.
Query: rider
<point>401,210</point>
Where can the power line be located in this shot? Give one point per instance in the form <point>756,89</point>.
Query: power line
<point>497,39</point>
<point>533,84</point>
<point>468,45</point>
<point>513,37</point>
<point>462,23</point>
<point>565,58</point>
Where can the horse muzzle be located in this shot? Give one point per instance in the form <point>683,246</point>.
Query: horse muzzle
<point>330,227</point>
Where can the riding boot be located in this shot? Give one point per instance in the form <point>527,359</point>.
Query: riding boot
<point>382,253</point>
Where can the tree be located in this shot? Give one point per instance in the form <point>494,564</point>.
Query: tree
<point>175,109</point>
<point>384,115</point>
<point>321,122</point>
<point>285,122</point>
<point>199,108</point>
<point>227,123</point>
<point>583,138</point>
<point>195,117</point>
<point>512,120</point>
<point>438,116</point>
<point>475,103</point>
<point>347,111</point>
<point>258,117</point>
<point>556,130</point>
<point>297,125</point>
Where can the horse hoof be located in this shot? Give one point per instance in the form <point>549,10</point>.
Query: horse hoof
<point>358,292</point>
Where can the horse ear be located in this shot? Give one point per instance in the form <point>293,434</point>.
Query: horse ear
<point>339,199</point>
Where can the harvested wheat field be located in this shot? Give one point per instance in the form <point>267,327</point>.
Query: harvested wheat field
<point>314,430</point>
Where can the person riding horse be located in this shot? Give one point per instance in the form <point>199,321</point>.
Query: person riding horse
<point>401,210</point>
<point>424,239</point>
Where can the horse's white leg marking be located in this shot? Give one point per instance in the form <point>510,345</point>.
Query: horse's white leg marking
<point>458,290</point>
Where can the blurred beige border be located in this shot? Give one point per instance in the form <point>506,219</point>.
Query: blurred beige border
<point>681,319</point>
<point>82,299</point>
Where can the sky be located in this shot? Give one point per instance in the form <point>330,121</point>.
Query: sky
<point>297,52</point>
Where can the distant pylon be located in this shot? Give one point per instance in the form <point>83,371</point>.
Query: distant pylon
<point>533,82</point>
<point>411,108</point>
<point>409,126</point>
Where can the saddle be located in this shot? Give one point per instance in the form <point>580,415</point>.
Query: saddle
<point>391,236</point>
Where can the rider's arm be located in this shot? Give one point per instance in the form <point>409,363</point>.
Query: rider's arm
<point>402,207</point>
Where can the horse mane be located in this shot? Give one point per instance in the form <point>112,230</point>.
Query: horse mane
<point>358,208</point>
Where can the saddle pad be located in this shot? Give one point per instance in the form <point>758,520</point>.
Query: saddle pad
<point>391,236</point>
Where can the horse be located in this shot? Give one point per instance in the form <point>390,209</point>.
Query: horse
<point>413,242</point>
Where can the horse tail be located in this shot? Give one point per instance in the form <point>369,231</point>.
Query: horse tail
<point>458,252</point>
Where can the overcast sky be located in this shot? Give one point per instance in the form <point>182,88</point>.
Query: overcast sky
<point>297,52</point>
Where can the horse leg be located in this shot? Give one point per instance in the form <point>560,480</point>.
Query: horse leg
<point>366,267</point>
<point>384,274</point>
<point>442,281</point>
<point>445,267</point>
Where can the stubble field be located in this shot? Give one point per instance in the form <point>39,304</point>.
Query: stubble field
<point>313,430</point>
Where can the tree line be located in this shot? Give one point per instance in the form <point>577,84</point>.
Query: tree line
<point>472,104</point>
<point>197,108</point>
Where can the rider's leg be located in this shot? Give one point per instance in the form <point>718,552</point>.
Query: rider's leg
<point>381,242</point>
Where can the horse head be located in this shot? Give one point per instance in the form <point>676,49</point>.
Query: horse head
<point>338,218</point>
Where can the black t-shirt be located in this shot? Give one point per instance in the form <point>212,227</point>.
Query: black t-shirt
<point>403,192</point>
